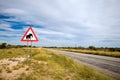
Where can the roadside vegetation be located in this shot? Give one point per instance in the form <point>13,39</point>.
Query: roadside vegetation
<point>44,65</point>
<point>13,52</point>
<point>112,52</point>
<point>8,46</point>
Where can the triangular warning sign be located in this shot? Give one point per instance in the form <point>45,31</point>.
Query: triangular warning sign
<point>29,36</point>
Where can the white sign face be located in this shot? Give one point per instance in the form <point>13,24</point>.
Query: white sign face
<point>29,35</point>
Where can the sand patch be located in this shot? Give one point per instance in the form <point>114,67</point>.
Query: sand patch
<point>11,68</point>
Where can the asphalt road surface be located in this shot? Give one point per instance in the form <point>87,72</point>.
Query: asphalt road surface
<point>109,65</point>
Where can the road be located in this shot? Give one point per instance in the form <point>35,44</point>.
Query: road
<point>110,65</point>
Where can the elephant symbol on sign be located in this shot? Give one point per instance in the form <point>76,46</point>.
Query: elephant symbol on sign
<point>29,36</point>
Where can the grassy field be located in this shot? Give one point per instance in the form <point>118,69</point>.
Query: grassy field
<point>95,52</point>
<point>13,52</point>
<point>46,65</point>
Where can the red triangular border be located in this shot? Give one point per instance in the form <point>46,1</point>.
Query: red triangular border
<point>30,28</point>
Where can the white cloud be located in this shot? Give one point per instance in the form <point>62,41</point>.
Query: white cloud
<point>51,32</point>
<point>8,31</point>
<point>14,11</point>
<point>77,20</point>
<point>6,27</point>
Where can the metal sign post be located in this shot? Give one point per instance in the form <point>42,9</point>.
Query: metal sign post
<point>29,36</point>
<point>27,53</point>
<point>31,51</point>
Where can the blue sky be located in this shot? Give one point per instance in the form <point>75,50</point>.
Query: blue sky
<point>62,22</point>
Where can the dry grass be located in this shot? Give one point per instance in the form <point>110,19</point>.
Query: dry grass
<point>46,65</point>
<point>18,66</point>
<point>96,52</point>
<point>0,69</point>
<point>8,70</point>
<point>9,53</point>
<point>55,66</point>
